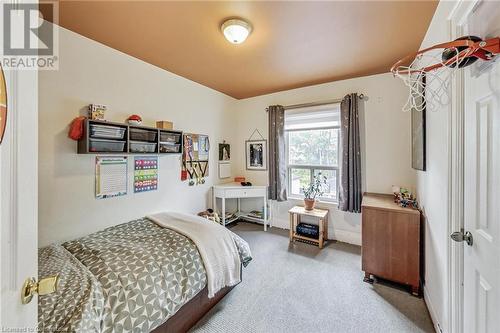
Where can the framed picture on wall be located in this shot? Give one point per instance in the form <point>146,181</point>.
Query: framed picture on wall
<point>418,151</point>
<point>224,152</point>
<point>256,154</point>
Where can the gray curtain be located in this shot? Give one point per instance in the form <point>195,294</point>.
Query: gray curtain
<point>350,171</point>
<point>277,163</point>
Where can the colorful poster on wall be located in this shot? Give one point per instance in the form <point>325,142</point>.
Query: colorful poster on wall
<point>145,174</point>
<point>110,176</point>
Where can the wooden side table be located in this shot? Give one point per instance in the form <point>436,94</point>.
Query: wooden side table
<point>322,214</point>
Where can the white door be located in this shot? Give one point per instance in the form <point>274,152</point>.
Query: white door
<point>482,182</point>
<point>18,198</point>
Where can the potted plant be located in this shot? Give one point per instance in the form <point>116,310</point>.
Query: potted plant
<point>314,189</point>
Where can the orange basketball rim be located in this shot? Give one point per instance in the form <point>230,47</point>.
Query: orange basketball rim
<point>461,50</point>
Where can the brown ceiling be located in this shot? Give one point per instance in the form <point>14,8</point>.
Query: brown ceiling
<point>293,44</point>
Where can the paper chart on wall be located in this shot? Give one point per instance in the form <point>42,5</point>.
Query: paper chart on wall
<point>145,174</point>
<point>110,176</point>
<point>204,147</point>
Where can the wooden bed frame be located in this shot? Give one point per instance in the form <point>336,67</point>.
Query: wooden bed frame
<point>189,314</point>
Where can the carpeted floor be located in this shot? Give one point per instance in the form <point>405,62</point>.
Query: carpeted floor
<point>298,288</point>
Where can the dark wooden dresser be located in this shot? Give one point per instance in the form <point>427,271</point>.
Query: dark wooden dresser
<point>390,241</point>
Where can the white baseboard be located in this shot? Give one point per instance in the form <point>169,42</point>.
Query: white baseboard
<point>281,223</point>
<point>432,312</point>
<point>345,236</point>
<point>350,237</point>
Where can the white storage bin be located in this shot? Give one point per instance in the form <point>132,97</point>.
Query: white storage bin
<point>169,137</point>
<point>106,132</point>
<point>142,147</point>
<point>102,145</point>
<point>166,147</point>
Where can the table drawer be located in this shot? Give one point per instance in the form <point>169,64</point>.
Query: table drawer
<point>244,193</point>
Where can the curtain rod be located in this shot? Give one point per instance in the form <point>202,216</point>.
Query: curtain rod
<point>304,105</point>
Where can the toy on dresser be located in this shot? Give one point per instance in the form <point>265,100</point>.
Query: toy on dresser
<point>404,198</point>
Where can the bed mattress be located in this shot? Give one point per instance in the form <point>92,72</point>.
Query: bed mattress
<point>127,278</point>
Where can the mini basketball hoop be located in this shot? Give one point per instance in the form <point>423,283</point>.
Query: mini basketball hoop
<point>433,67</point>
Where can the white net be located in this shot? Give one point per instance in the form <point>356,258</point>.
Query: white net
<point>429,89</point>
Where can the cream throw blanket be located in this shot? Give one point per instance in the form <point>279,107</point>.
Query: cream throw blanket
<point>215,244</point>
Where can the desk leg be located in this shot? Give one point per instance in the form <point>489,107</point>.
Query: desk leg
<point>223,211</point>
<point>238,205</point>
<point>291,226</point>
<point>265,214</point>
<point>214,203</point>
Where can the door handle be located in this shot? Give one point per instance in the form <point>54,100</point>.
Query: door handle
<point>45,286</point>
<point>459,236</point>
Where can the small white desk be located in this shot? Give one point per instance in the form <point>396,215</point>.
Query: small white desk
<point>236,191</point>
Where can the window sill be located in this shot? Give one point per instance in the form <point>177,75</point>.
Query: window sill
<point>319,201</point>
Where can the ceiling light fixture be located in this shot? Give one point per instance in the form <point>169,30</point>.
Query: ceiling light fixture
<point>236,30</point>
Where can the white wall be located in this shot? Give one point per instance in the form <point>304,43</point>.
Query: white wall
<point>385,140</point>
<point>93,73</point>
<point>90,72</point>
<point>432,187</point>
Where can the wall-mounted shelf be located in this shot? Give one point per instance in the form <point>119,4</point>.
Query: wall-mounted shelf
<point>105,137</point>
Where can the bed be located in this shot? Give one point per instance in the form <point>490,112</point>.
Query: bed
<point>138,276</point>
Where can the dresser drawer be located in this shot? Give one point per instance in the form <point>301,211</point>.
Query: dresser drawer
<point>244,193</point>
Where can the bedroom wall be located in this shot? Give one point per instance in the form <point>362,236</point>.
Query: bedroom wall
<point>90,72</point>
<point>433,188</point>
<point>385,141</point>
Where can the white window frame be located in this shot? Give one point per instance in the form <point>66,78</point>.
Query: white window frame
<point>312,168</point>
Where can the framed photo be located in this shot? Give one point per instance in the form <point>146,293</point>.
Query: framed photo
<point>418,151</point>
<point>224,152</point>
<point>256,154</point>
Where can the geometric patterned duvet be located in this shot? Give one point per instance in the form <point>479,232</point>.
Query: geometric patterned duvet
<point>128,278</point>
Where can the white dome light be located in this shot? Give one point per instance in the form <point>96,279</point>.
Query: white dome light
<point>236,31</point>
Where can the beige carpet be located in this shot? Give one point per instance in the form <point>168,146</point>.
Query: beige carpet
<point>302,289</point>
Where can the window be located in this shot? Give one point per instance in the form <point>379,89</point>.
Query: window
<point>312,139</point>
